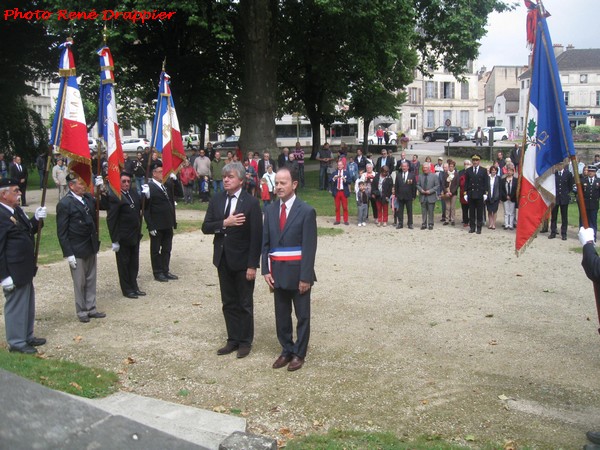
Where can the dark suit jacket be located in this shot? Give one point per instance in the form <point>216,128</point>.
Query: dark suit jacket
<point>75,226</point>
<point>361,163</point>
<point>386,188</point>
<point>564,185</point>
<point>262,169</point>
<point>495,197</point>
<point>17,246</point>
<point>240,245</point>
<point>300,231</point>
<point>591,263</point>
<point>476,185</point>
<point>17,174</point>
<point>345,184</point>
<point>159,213</point>
<point>389,162</point>
<point>408,190</point>
<point>505,193</point>
<point>124,221</point>
<point>591,192</point>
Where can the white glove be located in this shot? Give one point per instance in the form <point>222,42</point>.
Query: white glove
<point>116,246</point>
<point>173,176</point>
<point>575,188</point>
<point>152,232</point>
<point>41,213</point>
<point>8,284</point>
<point>484,197</point>
<point>585,235</point>
<point>146,190</point>
<point>98,181</point>
<point>466,197</point>
<point>72,262</point>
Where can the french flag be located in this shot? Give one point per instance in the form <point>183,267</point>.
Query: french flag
<point>108,125</point>
<point>548,139</point>
<point>69,129</point>
<point>166,135</point>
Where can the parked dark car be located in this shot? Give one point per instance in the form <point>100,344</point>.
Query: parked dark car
<point>443,133</point>
<point>230,142</point>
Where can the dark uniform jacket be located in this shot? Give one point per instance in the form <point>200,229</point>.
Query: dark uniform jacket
<point>124,218</point>
<point>591,192</point>
<point>476,186</point>
<point>408,190</point>
<point>564,185</point>
<point>76,227</point>
<point>159,213</point>
<point>17,246</point>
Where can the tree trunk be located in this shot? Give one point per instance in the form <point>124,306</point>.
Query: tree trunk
<point>366,125</point>
<point>315,126</point>
<point>257,102</point>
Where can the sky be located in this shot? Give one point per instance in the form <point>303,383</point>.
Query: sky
<point>571,22</point>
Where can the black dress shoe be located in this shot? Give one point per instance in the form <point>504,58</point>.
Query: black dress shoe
<point>478,231</point>
<point>27,349</point>
<point>230,347</point>
<point>471,231</point>
<point>140,293</point>
<point>36,342</point>
<point>423,227</point>
<point>593,436</point>
<point>564,238</point>
<point>591,447</point>
<point>84,319</point>
<point>431,227</point>
<point>97,315</point>
<point>170,276</point>
<point>399,226</point>
<point>282,361</point>
<point>243,351</point>
<point>131,295</point>
<point>551,235</point>
<point>410,227</point>
<point>160,277</point>
<point>295,364</point>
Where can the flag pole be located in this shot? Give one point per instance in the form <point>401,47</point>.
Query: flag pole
<point>42,204</point>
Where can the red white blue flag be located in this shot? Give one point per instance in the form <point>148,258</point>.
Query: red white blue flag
<point>166,135</point>
<point>108,126</point>
<point>69,130</point>
<point>548,138</point>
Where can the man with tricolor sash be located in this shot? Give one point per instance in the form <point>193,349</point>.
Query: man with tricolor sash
<point>288,259</point>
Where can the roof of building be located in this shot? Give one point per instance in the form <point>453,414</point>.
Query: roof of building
<point>575,59</point>
<point>510,94</point>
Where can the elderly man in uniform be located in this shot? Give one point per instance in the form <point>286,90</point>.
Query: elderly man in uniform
<point>591,196</point>
<point>476,181</point>
<point>78,237</point>
<point>563,182</point>
<point>124,225</point>
<point>17,268</point>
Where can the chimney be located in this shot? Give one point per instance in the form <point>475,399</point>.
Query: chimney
<point>570,47</point>
<point>558,49</point>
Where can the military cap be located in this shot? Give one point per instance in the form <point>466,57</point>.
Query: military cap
<point>592,168</point>
<point>6,182</point>
<point>475,157</point>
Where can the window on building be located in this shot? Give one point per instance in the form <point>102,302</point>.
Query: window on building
<point>448,89</point>
<point>464,119</point>
<point>127,133</point>
<point>414,95</point>
<point>447,115</point>
<point>431,89</point>
<point>464,91</point>
<point>430,119</point>
<point>583,78</point>
<point>597,98</point>
<point>413,121</point>
<point>142,130</point>
<point>522,84</point>
<point>566,93</point>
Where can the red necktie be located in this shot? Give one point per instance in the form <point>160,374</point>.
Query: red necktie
<point>282,217</point>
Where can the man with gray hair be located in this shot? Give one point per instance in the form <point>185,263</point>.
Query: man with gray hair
<point>235,219</point>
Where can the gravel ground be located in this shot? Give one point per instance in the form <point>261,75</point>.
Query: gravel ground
<point>415,332</point>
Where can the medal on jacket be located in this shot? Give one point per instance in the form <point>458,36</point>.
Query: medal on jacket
<point>13,220</point>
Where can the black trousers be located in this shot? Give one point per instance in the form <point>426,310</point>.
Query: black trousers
<point>409,211</point>
<point>564,218</point>
<point>476,212</point>
<point>160,251</point>
<point>284,299</point>
<point>465,213</point>
<point>128,266</point>
<point>237,297</point>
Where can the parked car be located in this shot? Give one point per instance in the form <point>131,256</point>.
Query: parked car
<point>470,135</point>
<point>135,144</point>
<point>500,133</point>
<point>194,142</point>
<point>229,142</point>
<point>93,144</point>
<point>443,133</point>
<point>393,140</point>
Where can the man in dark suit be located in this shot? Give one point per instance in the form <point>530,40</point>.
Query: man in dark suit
<point>385,160</point>
<point>515,157</point>
<point>78,237</point>
<point>283,157</point>
<point>406,192</point>
<point>235,218</point>
<point>563,181</point>
<point>476,184</point>
<point>264,163</point>
<point>289,248</point>
<point>591,196</point>
<point>124,225</point>
<point>160,220</point>
<point>19,172</point>
<point>17,268</point>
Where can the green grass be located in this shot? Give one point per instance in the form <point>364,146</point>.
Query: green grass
<point>348,440</point>
<point>61,375</point>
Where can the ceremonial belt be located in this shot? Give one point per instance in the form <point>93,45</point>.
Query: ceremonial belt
<point>285,254</point>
